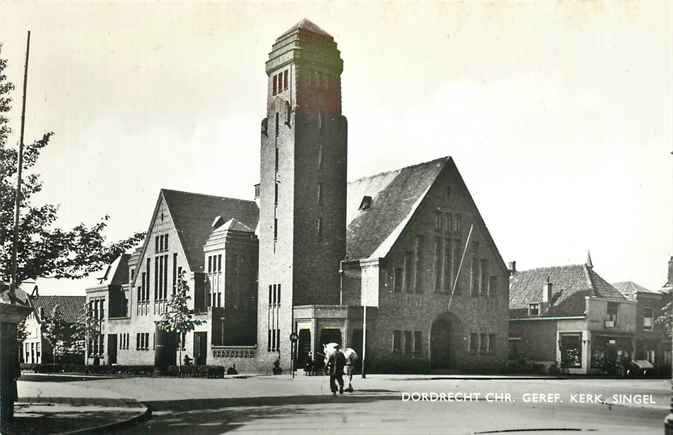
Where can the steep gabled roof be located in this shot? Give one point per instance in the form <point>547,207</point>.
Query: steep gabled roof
<point>629,289</point>
<point>395,195</point>
<point>70,306</point>
<point>570,285</point>
<point>117,272</point>
<point>193,215</point>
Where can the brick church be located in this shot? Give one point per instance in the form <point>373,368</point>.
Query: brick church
<point>314,254</point>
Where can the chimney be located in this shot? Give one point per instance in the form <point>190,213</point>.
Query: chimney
<point>512,267</point>
<point>546,292</point>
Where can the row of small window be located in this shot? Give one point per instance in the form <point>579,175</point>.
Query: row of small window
<point>410,341</point>
<point>215,263</point>
<point>482,343</point>
<point>142,341</point>
<point>273,340</point>
<point>448,222</point>
<point>161,243</point>
<point>280,82</point>
<point>274,294</point>
<point>124,340</point>
<point>160,278</point>
<point>97,308</point>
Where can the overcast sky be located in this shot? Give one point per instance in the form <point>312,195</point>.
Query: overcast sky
<point>558,114</point>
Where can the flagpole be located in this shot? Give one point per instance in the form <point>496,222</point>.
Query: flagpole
<point>460,266</point>
<point>17,198</point>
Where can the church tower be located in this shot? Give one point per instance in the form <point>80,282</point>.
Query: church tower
<point>302,192</point>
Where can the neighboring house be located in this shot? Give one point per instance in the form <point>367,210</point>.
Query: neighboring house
<point>570,316</point>
<point>651,342</point>
<point>36,350</point>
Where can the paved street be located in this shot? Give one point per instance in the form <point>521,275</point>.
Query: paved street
<point>304,405</point>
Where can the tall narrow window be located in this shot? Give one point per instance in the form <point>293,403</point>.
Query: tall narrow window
<point>408,342</point>
<point>457,247</point>
<point>438,264</point>
<point>448,225</point>
<point>275,193</point>
<point>492,286</point>
<point>474,342</point>
<point>319,193</point>
<point>418,343</point>
<point>418,275</point>
<point>483,344</point>
<point>219,262</point>
<point>474,275</point>
<point>270,294</point>
<point>318,227</point>
<point>175,266</point>
<point>277,125</point>
<point>156,244</point>
<point>320,157</point>
<point>408,283</point>
<point>275,229</point>
<point>278,294</point>
<point>275,84</point>
<point>276,161</point>
<point>165,276</point>
<point>491,343</point>
<point>285,80</point>
<point>483,279</point>
<point>398,279</point>
<point>397,341</point>
<point>156,278</point>
<point>448,278</point>
<point>147,288</point>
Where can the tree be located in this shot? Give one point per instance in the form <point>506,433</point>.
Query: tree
<point>21,335</point>
<point>44,249</point>
<point>56,331</point>
<point>178,318</point>
<point>664,320</point>
<point>88,328</point>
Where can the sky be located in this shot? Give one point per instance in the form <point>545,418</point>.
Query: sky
<point>559,114</point>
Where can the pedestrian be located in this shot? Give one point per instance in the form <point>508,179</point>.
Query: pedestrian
<point>336,364</point>
<point>351,356</point>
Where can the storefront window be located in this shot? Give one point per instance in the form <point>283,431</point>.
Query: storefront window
<point>571,350</point>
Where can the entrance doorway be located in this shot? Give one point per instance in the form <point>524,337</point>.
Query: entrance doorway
<point>112,349</point>
<point>445,342</point>
<point>200,348</point>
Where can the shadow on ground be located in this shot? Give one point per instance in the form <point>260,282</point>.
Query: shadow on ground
<point>210,416</point>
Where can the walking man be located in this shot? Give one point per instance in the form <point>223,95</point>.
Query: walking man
<point>336,364</point>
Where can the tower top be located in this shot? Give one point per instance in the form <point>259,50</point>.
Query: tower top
<point>306,25</point>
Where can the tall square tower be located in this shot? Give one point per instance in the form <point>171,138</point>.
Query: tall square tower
<point>302,196</point>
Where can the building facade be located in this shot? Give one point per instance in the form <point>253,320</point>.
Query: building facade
<point>314,256</point>
<point>570,317</point>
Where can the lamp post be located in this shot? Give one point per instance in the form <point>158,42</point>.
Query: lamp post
<point>668,421</point>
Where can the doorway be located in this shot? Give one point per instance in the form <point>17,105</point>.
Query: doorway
<point>112,349</point>
<point>200,348</point>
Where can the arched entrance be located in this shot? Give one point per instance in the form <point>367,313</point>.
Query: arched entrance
<point>446,339</point>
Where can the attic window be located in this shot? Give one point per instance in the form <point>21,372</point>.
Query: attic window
<point>366,203</point>
<point>217,222</point>
<point>534,309</point>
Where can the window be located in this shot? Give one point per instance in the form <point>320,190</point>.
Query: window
<point>319,156</point>
<point>448,277</point>
<point>483,345</point>
<point>613,307</point>
<point>418,275</point>
<point>366,203</point>
<point>438,222</point>
<point>438,264</point>
<point>275,229</point>
<point>219,262</point>
<point>277,126</point>
<point>534,309</point>
<point>397,341</point>
<point>275,194</point>
<point>210,263</point>
<point>408,284</point>
<point>492,286</point>
<point>456,264</point>
<point>398,280</point>
<point>156,278</point>
<point>483,279</point>
<point>474,342</point>
<point>448,224</point>
<point>275,85</point>
<point>318,227</point>
<point>285,80</point>
<point>319,193</point>
<point>408,342</point>
<point>175,263</point>
<point>418,343</point>
<point>571,350</point>
<point>647,319</point>
<point>474,277</point>
<point>491,343</point>
<point>458,223</point>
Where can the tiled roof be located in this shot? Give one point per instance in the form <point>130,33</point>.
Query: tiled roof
<point>570,284</point>
<point>117,272</point>
<point>70,306</point>
<point>630,288</point>
<point>194,213</point>
<point>395,196</point>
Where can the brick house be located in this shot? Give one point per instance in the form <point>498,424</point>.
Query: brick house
<point>35,349</point>
<point>570,316</point>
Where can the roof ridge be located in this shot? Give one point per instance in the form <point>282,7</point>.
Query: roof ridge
<point>205,194</point>
<point>548,268</point>
<point>378,174</point>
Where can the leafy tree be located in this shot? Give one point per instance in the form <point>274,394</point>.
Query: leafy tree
<point>664,320</point>
<point>178,318</point>
<point>21,335</point>
<point>88,327</point>
<point>56,331</point>
<point>44,249</point>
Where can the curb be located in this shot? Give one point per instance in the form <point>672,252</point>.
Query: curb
<point>144,412</point>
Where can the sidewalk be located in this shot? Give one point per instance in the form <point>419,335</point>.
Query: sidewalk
<point>60,415</point>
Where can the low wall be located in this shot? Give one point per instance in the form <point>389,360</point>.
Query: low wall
<point>244,357</point>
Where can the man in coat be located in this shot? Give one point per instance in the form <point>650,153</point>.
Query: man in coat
<point>336,364</point>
